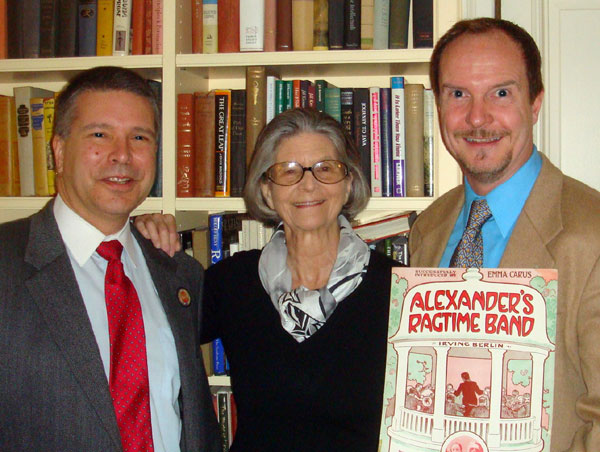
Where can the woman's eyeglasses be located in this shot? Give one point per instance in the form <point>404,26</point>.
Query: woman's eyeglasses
<point>290,173</point>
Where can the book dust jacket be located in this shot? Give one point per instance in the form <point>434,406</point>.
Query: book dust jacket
<point>470,360</point>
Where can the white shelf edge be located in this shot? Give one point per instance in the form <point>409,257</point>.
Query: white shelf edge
<point>219,380</point>
<point>79,63</point>
<point>237,204</point>
<point>28,203</point>
<point>304,58</point>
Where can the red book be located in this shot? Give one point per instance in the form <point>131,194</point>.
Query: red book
<point>204,142</point>
<point>147,27</point>
<point>157,27</point>
<point>270,25</point>
<point>297,103</point>
<point>228,16</point>
<point>197,20</point>
<point>137,27</point>
<point>283,39</point>
<point>185,145</point>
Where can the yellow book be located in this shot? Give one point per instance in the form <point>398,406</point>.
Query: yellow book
<point>104,27</point>
<point>40,173</point>
<point>48,126</point>
<point>9,155</point>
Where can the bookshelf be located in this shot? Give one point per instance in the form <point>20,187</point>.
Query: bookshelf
<point>181,71</point>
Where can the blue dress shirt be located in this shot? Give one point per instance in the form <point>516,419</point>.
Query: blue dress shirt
<point>506,202</point>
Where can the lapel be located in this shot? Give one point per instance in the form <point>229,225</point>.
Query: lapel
<point>436,228</point>
<point>54,289</point>
<point>539,223</point>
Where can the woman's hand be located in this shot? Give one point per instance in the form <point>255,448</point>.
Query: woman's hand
<point>161,230</point>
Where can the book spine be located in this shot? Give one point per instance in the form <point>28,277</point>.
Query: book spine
<point>362,130</point>
<point>204,141</point>
<point>423,24</point>
<point>333,105</point>
<point>67,30</point>
<point>385,116</point>
<point>413,98</point>
<point>137,27</point>
<point>381,24</point>
<point>185,145</point>
<point>398,138</point>
<point>336,24</point>
<point>352,24</point>
<point>229,22</point>
<point>279,96</point>
<point>222,143</point>
<point>256,100</point>
<point>320,86</point>
<point>87,27</point>
<point>15,29</point>
<point>428,109</point>
<point>302,24</point>
<point>157,27</point>
<point>375,143</point>
<point>48,129</point>
<point>304,88</point>
<point>311,102</point>
<point>31,28</point>
<point>399,17</point>
<point>9,159</point>
<point>148,27</point>
<point>347,109</point>
<point>48,28</point>
<point>366,24</point>
<point>40,175</point>
<point>219,366</point>
<point>104,28</point>
<point>157,187</point>
<point>320,31</point>
<point>121,28</point>
<point>197,14</point>
<point>271,93</point>
<point>283,38</point>
<point>270,25</point>
<point>252,26</point>
<point>289,94</point>
<point>238,141</point>
<point>296,93</point>
<point>210,27</point>
<point>215,227</point>
<point>3,29</point>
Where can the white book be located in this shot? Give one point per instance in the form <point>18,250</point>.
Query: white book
<point>121,28</point>
<point>253,235</point>
<point>252,25</point>
<point>398,139</point>
<point>428,108</point>
<point>381,24</point>
<point>246,235</point>
<point>24,138</point>
<point>270,106</point>
<point>375,142</point>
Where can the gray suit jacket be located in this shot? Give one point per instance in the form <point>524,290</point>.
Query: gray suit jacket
<point>559,227</point>
<point>54,394</point>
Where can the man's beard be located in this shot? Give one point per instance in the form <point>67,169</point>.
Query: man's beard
<point>482,175</point>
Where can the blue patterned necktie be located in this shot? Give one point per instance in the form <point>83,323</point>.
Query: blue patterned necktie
<point>469,252</point>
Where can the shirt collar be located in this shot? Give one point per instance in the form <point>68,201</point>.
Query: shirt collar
<point>82,238</point>
<point>507,200</point>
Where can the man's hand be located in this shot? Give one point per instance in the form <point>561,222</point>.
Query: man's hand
<point>161,230</point>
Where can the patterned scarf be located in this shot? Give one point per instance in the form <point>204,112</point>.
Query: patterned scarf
<point>303,311</point>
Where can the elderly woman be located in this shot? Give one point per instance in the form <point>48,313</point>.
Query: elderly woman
<point>303,321</point>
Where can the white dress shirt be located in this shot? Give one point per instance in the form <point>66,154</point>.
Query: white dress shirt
<point>81,240</point>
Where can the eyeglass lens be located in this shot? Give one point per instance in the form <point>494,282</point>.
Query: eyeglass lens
<point>290,173</point>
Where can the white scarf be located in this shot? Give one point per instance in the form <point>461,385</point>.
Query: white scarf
<point>304,311</point>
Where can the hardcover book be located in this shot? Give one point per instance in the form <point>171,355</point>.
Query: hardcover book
<point>470,360</point>
<point>9,157</point>
<point>185,145</point>
<point>413,113</point>
<point>302,24</point>
<point>228,25</point>
<point>252,26</point>
<point>204,141</point>
<point>283,37</point>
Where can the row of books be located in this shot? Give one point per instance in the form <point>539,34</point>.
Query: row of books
<point>26,158</point>
<point>392,128</point>
<point>221,26</point>
<point>67,28</point>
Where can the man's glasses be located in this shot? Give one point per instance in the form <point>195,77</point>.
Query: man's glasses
<point>290,173</point>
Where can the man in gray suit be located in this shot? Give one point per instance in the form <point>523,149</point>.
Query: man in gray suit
<point>486,77</point>
<point>56,350</point>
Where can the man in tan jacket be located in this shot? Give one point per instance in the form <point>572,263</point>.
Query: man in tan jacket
<point>486,77</point>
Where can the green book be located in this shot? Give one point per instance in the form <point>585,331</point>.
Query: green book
<point>333,105</point>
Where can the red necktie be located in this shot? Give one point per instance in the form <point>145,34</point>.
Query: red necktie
<point>128,363</point>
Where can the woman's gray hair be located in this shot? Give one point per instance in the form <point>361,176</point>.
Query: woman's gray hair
<point>291,123</point>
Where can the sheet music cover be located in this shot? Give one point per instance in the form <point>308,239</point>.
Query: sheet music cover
<point>470,360</point>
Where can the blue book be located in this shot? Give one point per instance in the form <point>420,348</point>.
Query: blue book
<point>219,360</point>
<point>86,28</point>
<point>398,137</point>
<point>385,120</point>
<point>215,225</point>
